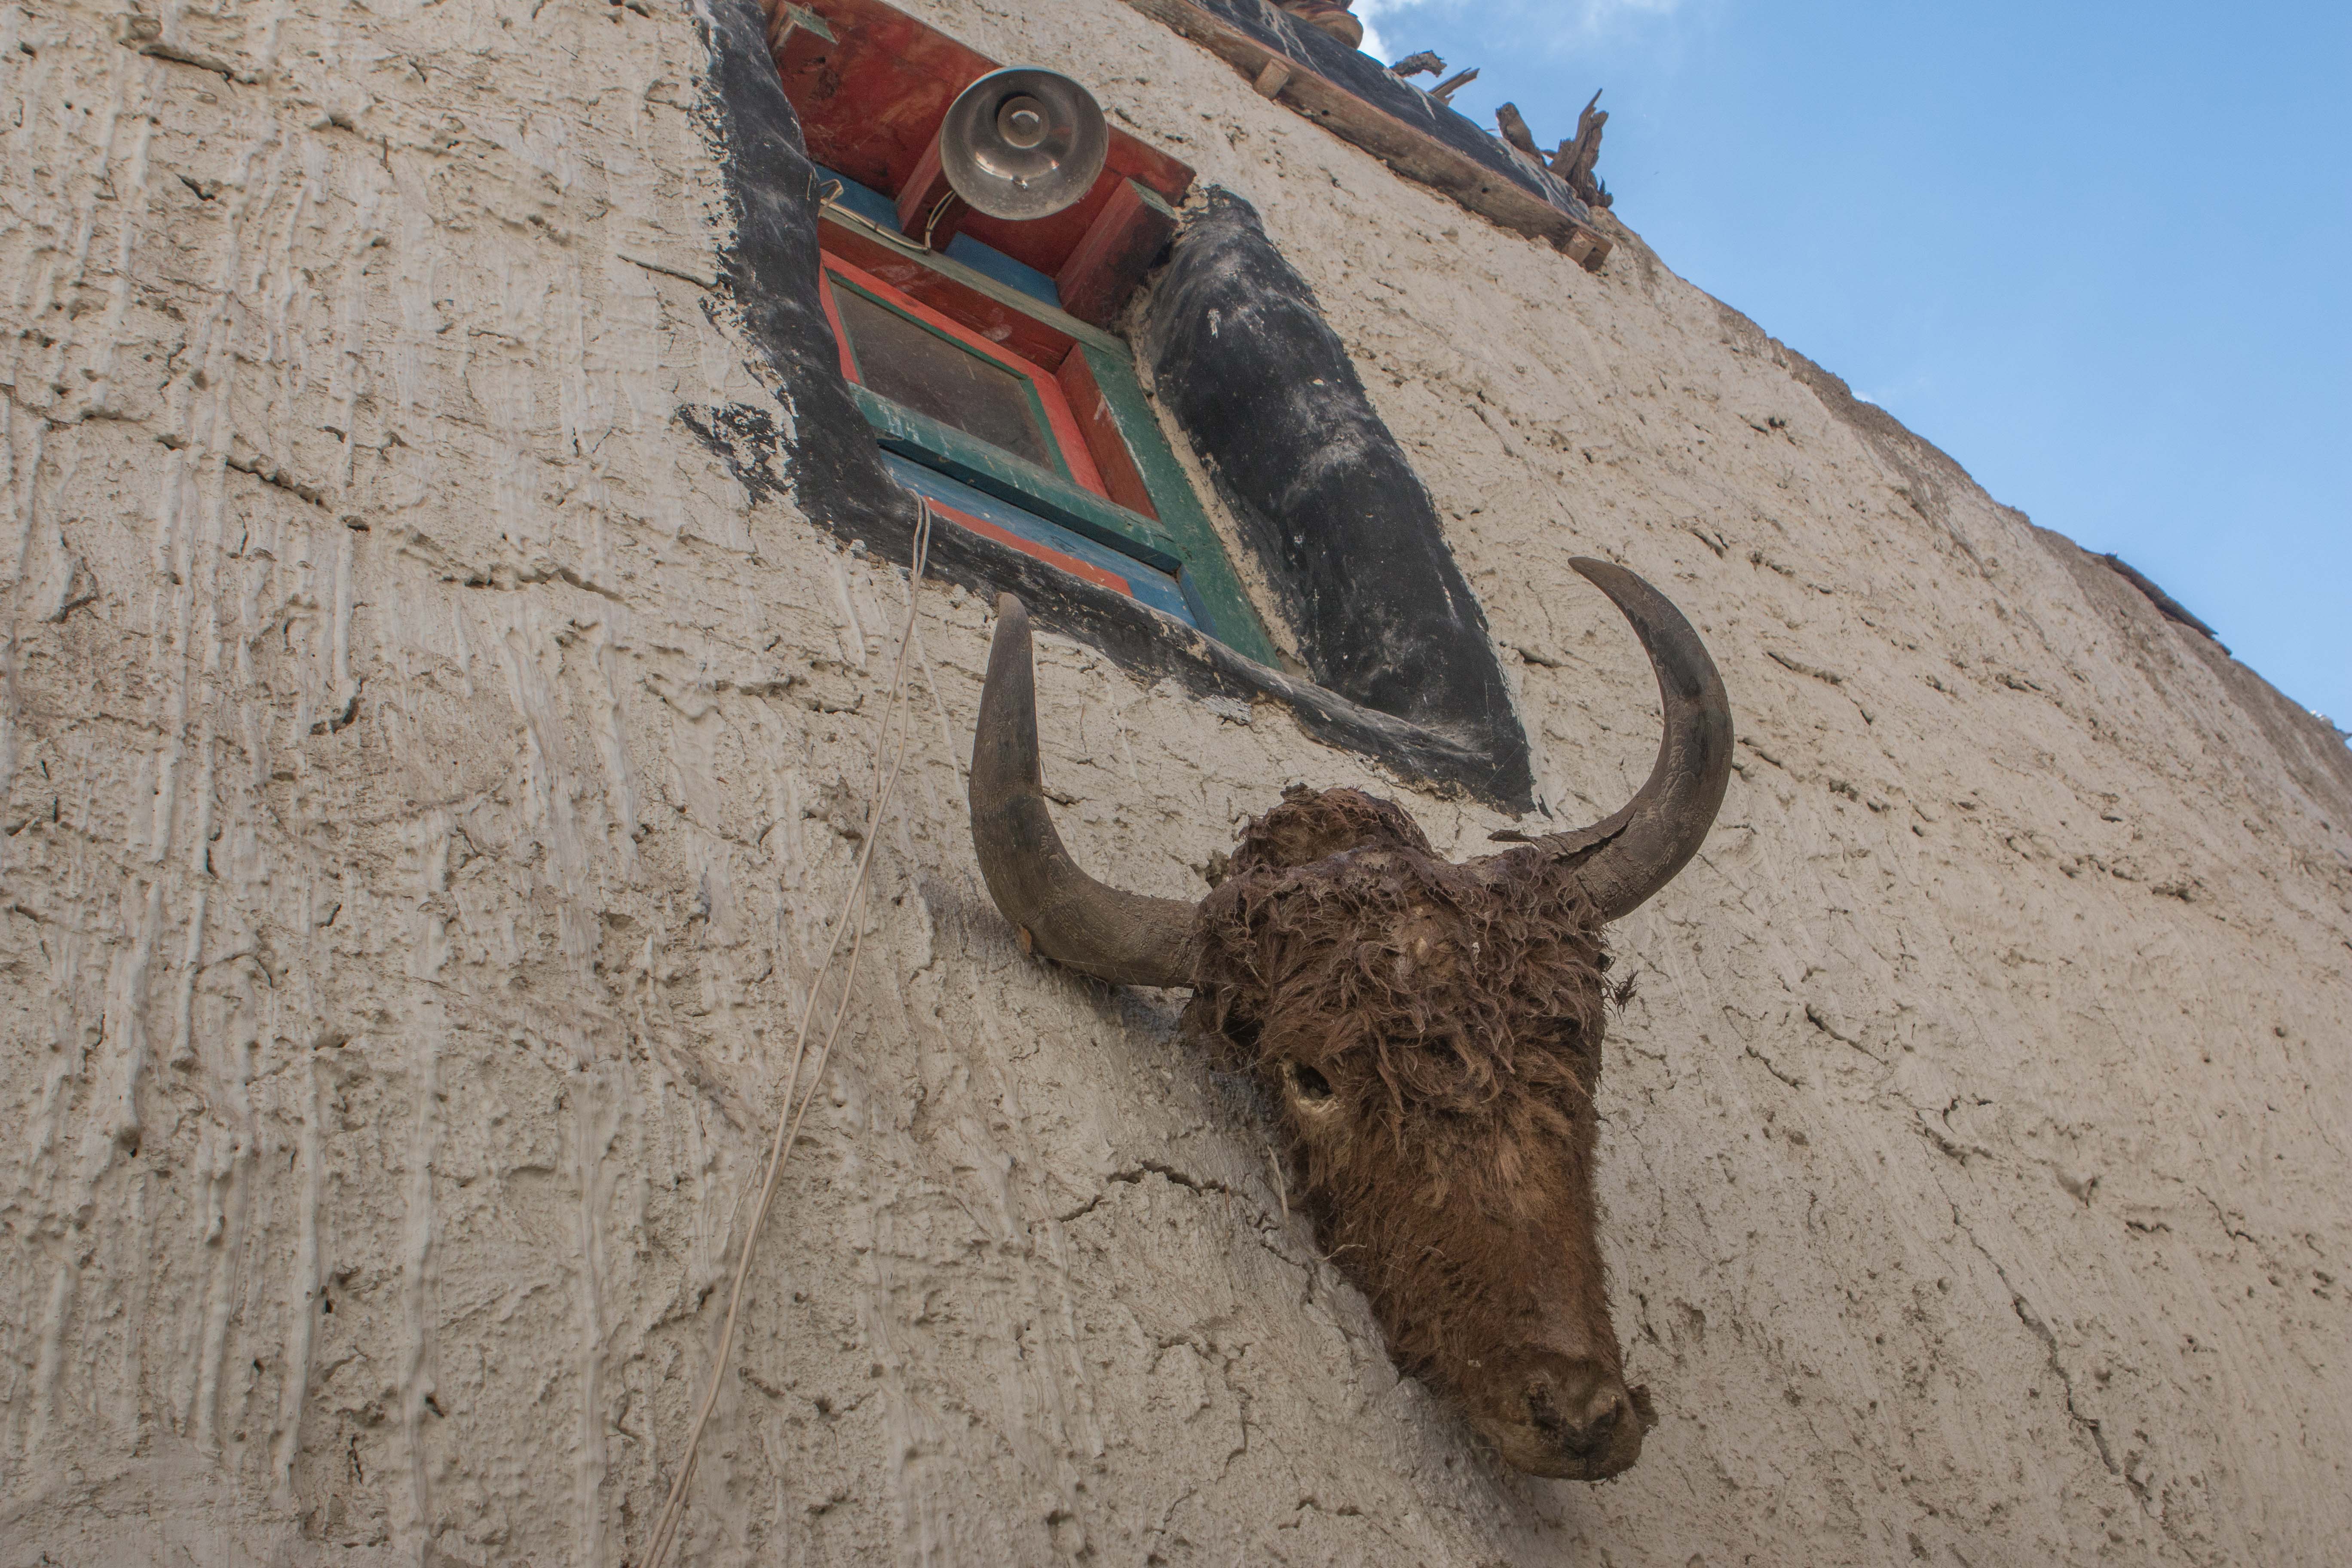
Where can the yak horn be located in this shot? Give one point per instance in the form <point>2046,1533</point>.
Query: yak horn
<point>1125,938</point>
<point>1624,860</point>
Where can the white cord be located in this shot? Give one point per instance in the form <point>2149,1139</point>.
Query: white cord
<point>788,1122</point>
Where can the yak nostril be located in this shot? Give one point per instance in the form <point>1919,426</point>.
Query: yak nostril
<point>1312,1086</point>
<point>1581,1410</point>
<point>1554,1414</point>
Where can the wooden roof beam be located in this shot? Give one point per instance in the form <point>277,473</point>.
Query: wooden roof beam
<point>1418,152</point>
<point>1127,235</point>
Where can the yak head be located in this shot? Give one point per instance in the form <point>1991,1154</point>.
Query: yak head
<point>1428,1033</point>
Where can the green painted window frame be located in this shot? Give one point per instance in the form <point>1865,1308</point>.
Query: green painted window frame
<point>1028,388</point>
<point>1181,541</point>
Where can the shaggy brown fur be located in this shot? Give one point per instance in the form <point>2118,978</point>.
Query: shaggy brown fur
<point>1432,1033</point>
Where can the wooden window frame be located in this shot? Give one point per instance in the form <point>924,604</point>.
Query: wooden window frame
<point>1073,453</point>
<point>1120,489</point>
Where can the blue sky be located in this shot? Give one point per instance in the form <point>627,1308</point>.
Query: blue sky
<point>2095,251</point>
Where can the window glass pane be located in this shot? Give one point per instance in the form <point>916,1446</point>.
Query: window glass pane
<point>909,364</point>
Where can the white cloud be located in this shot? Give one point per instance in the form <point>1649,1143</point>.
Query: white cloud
<point>1551,19</point>
<point>1370,12</point>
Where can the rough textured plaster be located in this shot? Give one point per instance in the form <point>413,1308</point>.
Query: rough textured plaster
<point>429,775</point>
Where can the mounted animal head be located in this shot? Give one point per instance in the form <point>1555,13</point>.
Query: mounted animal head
<point>1429,1032</point>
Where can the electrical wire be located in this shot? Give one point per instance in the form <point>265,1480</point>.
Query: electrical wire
<point>788,1120</point>
<point>828,196</point>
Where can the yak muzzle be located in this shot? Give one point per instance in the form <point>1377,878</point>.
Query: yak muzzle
<point>1551,1414</point>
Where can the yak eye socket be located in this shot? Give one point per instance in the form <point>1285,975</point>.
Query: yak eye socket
<point>1312,1086</point>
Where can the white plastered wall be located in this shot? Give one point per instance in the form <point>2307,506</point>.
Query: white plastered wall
<point>430,775</point>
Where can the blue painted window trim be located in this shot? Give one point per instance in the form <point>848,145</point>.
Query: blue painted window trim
<point>877,208</point>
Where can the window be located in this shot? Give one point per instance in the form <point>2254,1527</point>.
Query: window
<point>1042,444</point>
<point>1017,420</point>
<point>953,377</point>
<point>977,348</point>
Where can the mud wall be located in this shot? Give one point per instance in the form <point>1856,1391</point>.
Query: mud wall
<point>431,772</point>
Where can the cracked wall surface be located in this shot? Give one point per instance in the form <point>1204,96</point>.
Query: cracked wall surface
<point>430,775</point>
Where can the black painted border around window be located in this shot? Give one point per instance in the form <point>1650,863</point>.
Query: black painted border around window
<point>833,470</point>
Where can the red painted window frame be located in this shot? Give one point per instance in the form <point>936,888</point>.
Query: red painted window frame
<point>1102,576</point>
<point>1068,436</point>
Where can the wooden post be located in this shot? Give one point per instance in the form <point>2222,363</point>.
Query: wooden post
<point>1575,159</point>
<point>928,208</point>
<point>1125,238</point>
<point>1443,92</point>
<point>1514,126</point>
<point>785,19</point>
